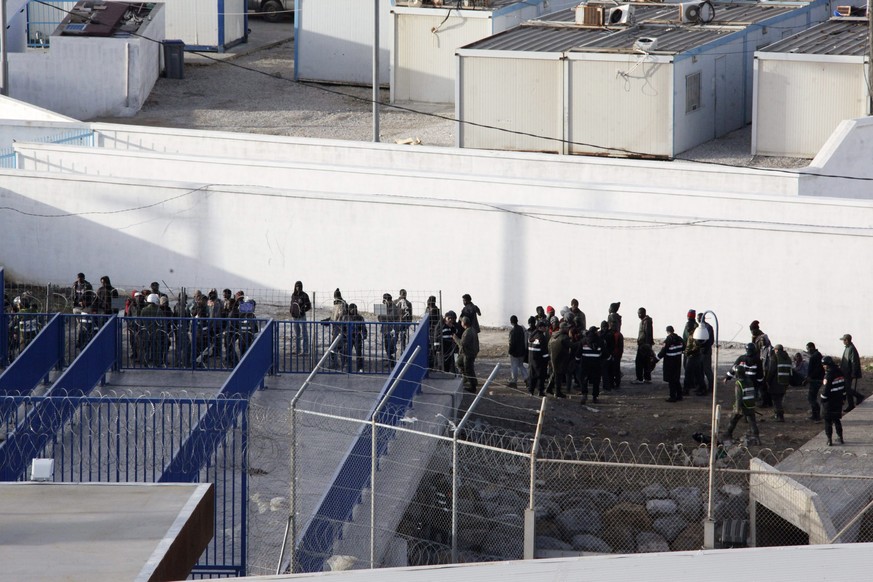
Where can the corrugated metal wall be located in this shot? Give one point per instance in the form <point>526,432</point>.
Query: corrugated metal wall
<point>335,39</point>
<point>800,103</point>
<point>424,61</point>
<point>621,104</point>
<point>522,95</point>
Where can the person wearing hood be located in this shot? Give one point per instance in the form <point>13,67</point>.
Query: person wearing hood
<point>389,328</point>
<point>105,294</point>
<point>300,306</point>
<point>358,331</point>
<point>434,322</point>
<point>448,331</point>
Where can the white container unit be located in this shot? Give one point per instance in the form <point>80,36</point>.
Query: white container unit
<point>654,87</point>
<point>207,25</point>
<point>426,38</point>
<point>333,41</point>
<point>806,85</point>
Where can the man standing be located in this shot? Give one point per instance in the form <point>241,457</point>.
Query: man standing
<point>471,311</point>
<point>779,375</point>
<point>468,345</point>
<point>517,351</point>
<point>706,353</point>
<point>83,292</point>
<point>645,353</point>
<point>671,353</point>
<point>831,396</point>
<point>300,306</point>
<point>389,328</point>
<point>763,349</point>
<point>559,355</point>
<point>434,320</point>
<point>450,329</point>
<point>538,358</point>
<point>403,307</point>
<point>814,378</point>
<point>747,370</point>
<point>850,364</point>
<point>578,315</point>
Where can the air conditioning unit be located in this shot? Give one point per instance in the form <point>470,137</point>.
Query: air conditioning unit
<point>689,12</point>
<point>589,15</point>
<point>697,12</point>
<point>623,14</point>
<point>646,44</point>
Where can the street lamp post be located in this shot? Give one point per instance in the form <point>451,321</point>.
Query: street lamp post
<point>701,333</point>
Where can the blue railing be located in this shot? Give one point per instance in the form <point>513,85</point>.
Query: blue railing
<point>119,440</point>
<point>353,476</point>
<point>208,430</point>
<point>77,380</point>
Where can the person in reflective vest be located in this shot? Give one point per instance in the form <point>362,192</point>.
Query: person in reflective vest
<point>671,353</point>
<point>538,358</point>
<point>778,378</point>
<point>748,373</point>
<point>831,396</point>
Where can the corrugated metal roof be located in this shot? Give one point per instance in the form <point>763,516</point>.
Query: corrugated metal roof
<point>842,36</point>
<point>464,4</point>
<point>726,14</point>
<point>540,39</point>
<point>671,39</point>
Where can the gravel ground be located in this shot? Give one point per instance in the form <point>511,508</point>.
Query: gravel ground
<point>256,93</point>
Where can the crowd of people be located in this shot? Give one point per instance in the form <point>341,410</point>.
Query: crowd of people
<point>557,354</point>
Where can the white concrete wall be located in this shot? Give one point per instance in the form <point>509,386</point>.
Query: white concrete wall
<point>845,153</point>
<point>398,158</point>
<point>13,109</point>
<point>87,77</point>
<point>16,130</point>
<point>511,243</point>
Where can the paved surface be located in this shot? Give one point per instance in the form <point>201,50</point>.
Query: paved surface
<point>97,531</point>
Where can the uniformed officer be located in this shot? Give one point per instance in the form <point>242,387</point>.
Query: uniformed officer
<point>748,373</point>
<point>671,353</point>
<point>538,358</point>
<point>831,396</point>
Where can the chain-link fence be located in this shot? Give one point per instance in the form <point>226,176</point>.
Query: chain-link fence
<point>442,500</point>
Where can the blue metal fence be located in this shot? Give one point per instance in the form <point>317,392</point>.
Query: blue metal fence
<point>118,440</point>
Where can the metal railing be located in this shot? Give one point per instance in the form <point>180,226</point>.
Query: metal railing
<point>42,20</point>
<point>119,440</point>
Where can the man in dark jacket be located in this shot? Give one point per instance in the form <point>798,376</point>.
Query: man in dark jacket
<point>850,364</point>
<point>517,350</point>
<point>778,377</point>
<point>645,353</point>
<point>589,370</point>
<point>434,320</point>
<point>538,358</point>
<point>671,353</point>
<point>471,311</point>
<point>468,345</point>
<point>748,373</point>
<point>559,355</point>
<point>449,330</point>
<point>607,338</point>
<point>813,381</point>
<point>831,396</point>
<point>300,306</point>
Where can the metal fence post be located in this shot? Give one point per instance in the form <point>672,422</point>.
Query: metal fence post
<point>455,484</point>
<point>4,325</point>
<point>530,515</point>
